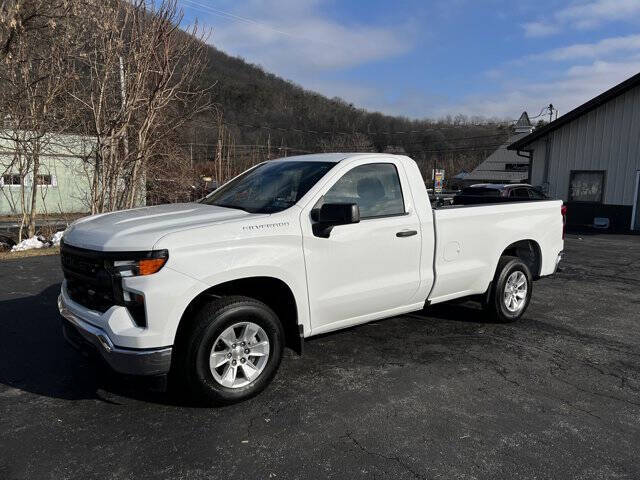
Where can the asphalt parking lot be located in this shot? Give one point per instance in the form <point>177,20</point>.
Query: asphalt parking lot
<point>438,394</point>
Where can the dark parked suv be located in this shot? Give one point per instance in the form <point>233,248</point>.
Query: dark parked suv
<point>505,190</point>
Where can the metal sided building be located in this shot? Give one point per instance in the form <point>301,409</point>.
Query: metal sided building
<point>590,158</point>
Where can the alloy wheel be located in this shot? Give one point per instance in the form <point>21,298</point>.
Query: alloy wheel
<point>239,355</point>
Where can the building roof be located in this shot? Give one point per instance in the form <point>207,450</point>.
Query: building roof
<point>494,167</point>
<point>610,94</point>
<point>523,125</point>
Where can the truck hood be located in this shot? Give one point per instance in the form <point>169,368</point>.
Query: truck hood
<point>141,228</point>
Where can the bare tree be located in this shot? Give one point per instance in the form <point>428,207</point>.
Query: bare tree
<point>143,85</point>
<point>28,17</point>
<point>34,82</point>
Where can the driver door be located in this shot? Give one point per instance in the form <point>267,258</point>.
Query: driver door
<point>364,269</point>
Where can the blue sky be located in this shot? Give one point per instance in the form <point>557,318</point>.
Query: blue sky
<point>431,58</point>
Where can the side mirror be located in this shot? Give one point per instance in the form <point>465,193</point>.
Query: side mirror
<point>334,214</point>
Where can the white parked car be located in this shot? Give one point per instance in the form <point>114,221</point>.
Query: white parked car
<point>211,292</point>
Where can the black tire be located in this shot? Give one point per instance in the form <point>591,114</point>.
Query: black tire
<point>190,366</point>
<point>495,306</point>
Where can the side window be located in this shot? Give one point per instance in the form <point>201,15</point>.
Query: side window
<point>520,193</point>
<point>536,194</point>
<point>374,187</point>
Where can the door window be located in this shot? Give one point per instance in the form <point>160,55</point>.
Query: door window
<point>520,193</point>
<point>374,187</point>
<point>536,194</point>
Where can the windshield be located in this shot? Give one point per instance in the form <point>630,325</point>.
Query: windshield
<point>270,187</point>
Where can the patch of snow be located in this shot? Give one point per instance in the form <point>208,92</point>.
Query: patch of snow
<point>30,243</point>
<point>55,240</point>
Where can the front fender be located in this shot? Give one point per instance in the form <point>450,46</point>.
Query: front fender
<point>262,271</point>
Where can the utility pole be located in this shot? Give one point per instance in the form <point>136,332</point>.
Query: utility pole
<point>191,146</point>
<point>435,167</point>
<point>269,146</point>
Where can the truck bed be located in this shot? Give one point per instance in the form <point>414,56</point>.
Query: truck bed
<point>471,238</point>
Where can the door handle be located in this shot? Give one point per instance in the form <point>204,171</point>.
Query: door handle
<point>406,233</point>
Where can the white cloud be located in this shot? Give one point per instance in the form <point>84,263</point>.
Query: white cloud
<point>314,44</point>
<point>593,13</point>
<point>584,15</point>
<point>566,90</point>
<point>577,73</point>
<point>539,29</point>
<point>293,38</point>
<point>607,46</point>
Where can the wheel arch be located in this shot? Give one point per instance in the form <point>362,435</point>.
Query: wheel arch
<point>527,250</point>
<point>272,291</point>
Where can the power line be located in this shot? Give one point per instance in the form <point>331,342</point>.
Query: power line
<point>328,132</point>
<point>491,146</point>
<point>231,16</point>
<point>459,147</point>
<point>451,149</point>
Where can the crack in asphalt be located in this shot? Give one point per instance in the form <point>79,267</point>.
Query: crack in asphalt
<point>590,392</point>
<point>499,369</point>
<point>269,411</point>
<point>396,458</point>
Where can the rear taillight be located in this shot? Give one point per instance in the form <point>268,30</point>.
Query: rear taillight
<point>563,211</point>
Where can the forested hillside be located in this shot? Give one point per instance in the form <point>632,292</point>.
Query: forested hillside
<point>267,115</point>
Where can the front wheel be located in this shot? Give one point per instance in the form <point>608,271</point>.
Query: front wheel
<point>232,350</point>
<point>511,290</point>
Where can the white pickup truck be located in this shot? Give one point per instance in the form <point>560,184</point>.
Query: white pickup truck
<point>211,292</point>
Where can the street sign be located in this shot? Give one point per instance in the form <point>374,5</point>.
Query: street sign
<point>438,180</point>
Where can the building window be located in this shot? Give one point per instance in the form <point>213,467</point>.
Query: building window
<point>586,186</point>
<point>44,180</point>
<point>11,179</point>
<point>516,167</point>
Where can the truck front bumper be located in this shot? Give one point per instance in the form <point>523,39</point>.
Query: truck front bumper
<point>133,361</point>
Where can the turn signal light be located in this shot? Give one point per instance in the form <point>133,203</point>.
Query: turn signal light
<point>150,265</point>
<point>153,262</point>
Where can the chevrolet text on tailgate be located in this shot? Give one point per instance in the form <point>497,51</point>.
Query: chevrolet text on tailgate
<point>211,292</point>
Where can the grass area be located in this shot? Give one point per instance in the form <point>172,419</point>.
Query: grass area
<point>35,252</point>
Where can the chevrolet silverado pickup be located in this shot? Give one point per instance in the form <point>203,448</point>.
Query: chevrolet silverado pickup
<point>211,292</point>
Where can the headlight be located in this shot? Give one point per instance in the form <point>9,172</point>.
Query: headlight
<point>152,263</point>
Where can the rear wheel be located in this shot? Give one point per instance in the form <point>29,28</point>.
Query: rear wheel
<point>511,290</point>
<point>231,352</point>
